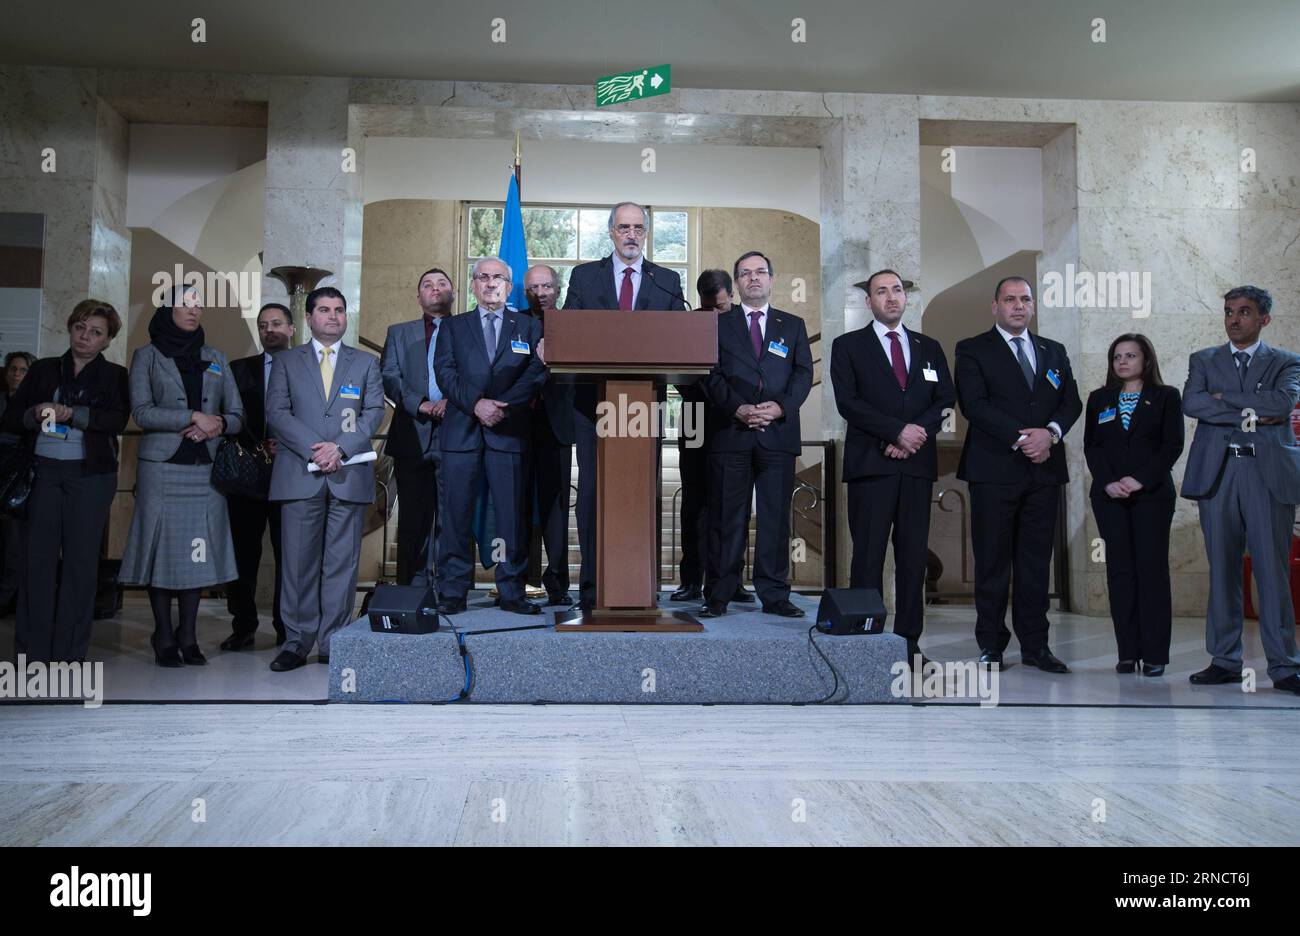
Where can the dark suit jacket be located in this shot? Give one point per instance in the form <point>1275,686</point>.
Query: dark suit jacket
<point>101,410</point>
<point>404,366</point>
<point>1146,451</point>
<point>994,398</point>
<point>734,381</point>
<point>250,379</point>
<point>876,408</point>
<point>554,412</point>
<point>465,377</point>
<point>591,286</point>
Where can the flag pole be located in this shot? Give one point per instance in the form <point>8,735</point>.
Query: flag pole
<point>519,168</point>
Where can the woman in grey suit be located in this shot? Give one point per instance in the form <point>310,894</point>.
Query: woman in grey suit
<point>184,397</point>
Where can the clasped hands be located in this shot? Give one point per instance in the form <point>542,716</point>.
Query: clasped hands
<point>326,457</point>
<point>203,426</point>
<point>759,415</point>
<point>1036,445</point>
<point>908,443</point>
<point>1123,487</point>
<point>434,410</point>
<point>61,413</point>
<point>490,412</point>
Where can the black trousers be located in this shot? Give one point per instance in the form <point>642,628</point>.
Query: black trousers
<point>66,514</point>
<point>733,478</point>
<point>507,476</point>
<point>249,518</point>
<point>1012,531</point>
<point>552,470</point>
<point>1136,533</point>
<point>898,507</point>
<point>695,569</point>
<point>417,515</point>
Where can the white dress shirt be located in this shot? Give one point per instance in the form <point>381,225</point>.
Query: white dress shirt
<point>619,266</point>
<point>762,318</point>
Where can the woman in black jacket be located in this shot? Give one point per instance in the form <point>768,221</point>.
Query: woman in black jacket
<point>70,410</point>
<point>1133,435</point>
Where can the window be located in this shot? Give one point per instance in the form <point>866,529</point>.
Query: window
<point>563,236</point>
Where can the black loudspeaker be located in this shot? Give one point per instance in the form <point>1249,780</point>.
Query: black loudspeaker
<point>851,611</point>
<point>403,609</point>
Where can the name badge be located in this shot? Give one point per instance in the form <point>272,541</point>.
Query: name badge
<point>930,374</point>
<point>57,431</point>
<point>1054,378</point>
<point>519,347</point>
<point>214,368</point>
<point>350,393</point>
<point>777,348</point>
<point>1106,415</point>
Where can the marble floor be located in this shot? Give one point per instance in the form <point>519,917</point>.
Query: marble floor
<point>1085,759</point>
<point>1086,644</point>
<point>616,775</point>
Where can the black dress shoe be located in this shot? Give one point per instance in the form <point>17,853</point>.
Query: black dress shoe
<point>1126,666</point>
<point>1043,661</point>
<point>323,658</point>
<point>287,660</point>
<point>991,658</point>
<point>169,657</point>
<point>558,598</point>
<point>712,609</point>
<point>1289,684</point>
<point>784,608</point>
<point>743,596</point>
<point>916,659</point>
<point>451,605</point>
<point>521,607</point>
<point>687,593</point>
<point>237,642</point>
<point>1153,669</point>
<point>1213,675</point>
<point>193,656</point>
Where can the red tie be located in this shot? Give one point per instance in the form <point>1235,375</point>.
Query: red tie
<point>625,291</point>
<point>896,356</point>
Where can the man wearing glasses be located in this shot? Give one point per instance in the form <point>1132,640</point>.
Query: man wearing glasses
<point>624,280</point>
<point>487,367</point>
<point>763,375</point>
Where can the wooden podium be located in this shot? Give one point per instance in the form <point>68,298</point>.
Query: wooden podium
<point>629,356</point>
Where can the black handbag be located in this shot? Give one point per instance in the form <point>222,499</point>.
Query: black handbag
<point>240,471</point>
<point>17,475</point>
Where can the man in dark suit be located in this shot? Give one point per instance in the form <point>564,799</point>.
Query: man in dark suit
<point>488,368</point>
<point>695,573</point>
<point>1018,393</point>
<point>1243,471</point>
<point>892,387</point>
<point>418,408</point>
<point>552,451</point>
<point>763,375</point>
<point>623,280</point>
<point>249,517</point>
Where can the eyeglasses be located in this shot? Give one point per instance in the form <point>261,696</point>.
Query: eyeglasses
<point>637,229</point>
<point>491,277</point>
<point>753,274</point>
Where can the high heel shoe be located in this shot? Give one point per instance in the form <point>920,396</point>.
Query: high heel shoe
<point>193,656</point>
<point>1126,666</point>
<point>1153,669</point>
<point>167,656</point>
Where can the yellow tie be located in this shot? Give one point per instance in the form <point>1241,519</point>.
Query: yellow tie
<point>327,370</point>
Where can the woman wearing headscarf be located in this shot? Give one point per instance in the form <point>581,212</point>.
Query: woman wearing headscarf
<point>184,397</point>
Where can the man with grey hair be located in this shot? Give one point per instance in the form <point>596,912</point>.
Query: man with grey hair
<point>1243,471</point>
<point>624,280</point>
<point>487,367</point>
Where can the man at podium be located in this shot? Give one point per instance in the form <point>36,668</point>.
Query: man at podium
<point>623,280</point>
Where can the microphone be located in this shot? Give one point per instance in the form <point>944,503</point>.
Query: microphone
<point>671,292</point>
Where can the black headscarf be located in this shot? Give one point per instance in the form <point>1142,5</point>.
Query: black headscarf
<point>183,348</point>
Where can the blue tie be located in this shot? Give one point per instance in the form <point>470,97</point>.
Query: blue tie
<point>435,394</point>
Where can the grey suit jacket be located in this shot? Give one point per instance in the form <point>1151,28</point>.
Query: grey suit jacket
<point>404,366</point>
<point>299,415</point>
<point>1272,388</point>
<point>159,407</point>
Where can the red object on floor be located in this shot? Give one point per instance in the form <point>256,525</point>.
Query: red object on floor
<point>1295,583</point>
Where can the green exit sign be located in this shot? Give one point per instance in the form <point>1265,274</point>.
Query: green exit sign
<point>633,85</point>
